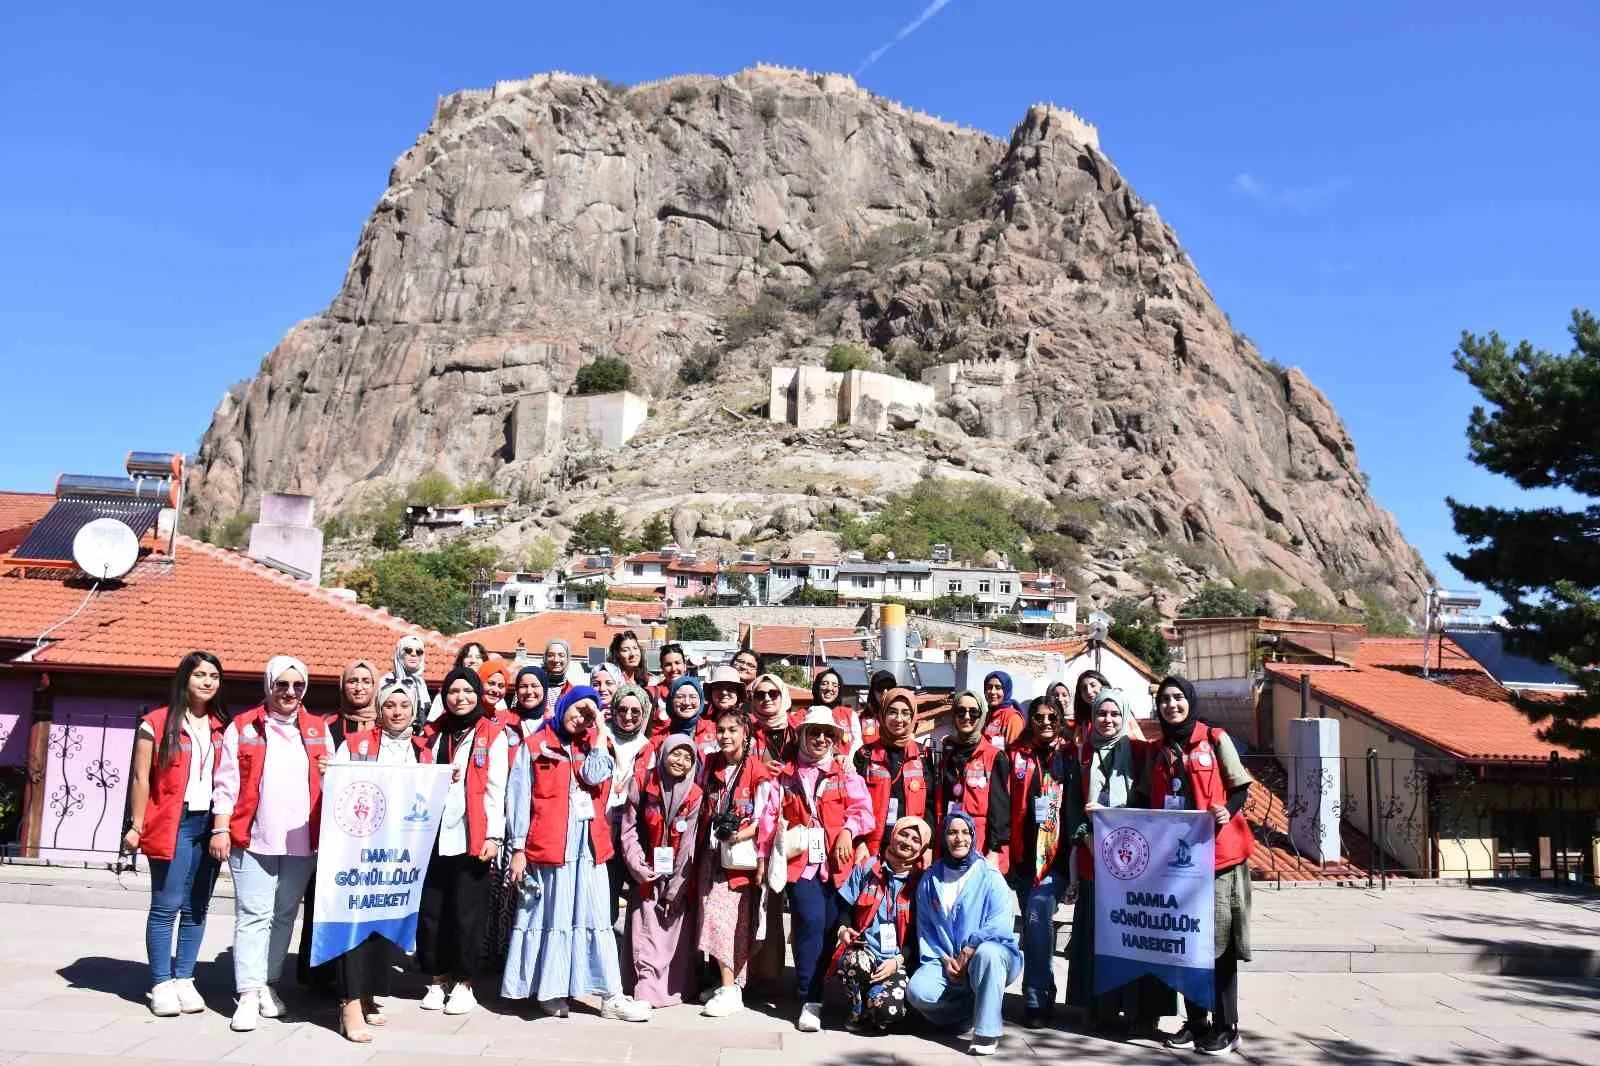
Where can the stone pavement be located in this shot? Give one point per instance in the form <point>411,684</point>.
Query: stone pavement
<point>73,980</point>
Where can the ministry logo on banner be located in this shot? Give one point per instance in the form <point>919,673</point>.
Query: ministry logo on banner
<point>1153,900</point>
<point>378,828</point>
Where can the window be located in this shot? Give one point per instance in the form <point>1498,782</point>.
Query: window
<point>952,588</point>
<point>916,584</point>
<point>681,582</point>
<point>862,582</point>
<point>638,569</point>
<point>983,586</point>
<point>784,573</point>
<point>1005,586</point>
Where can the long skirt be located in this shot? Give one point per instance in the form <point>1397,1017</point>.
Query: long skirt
<point>562,943</point>
<point>875,1005</point>
<point>367,969</point>
<point>502,907</point>
<point>727,920</point>
<point>450,919</point>
<point>662,949</point>
<point>1137,1005</point>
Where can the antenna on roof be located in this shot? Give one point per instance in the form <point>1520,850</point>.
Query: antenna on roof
<point>105,549</point>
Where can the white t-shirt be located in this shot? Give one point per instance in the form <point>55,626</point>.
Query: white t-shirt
<point>202,761</point>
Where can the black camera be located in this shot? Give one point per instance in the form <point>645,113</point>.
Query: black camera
<point>724,824</point>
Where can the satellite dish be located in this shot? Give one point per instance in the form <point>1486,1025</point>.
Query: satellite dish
<point>1099,625</point>
<point>105,549</point>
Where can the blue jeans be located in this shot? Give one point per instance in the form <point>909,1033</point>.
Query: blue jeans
<point>1039,904</point>
<point>267,890</point>
<point>978,997</point>
<point>814,914</point>
<point>180,894</point>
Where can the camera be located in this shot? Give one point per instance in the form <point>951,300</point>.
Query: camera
<point>724,824</point>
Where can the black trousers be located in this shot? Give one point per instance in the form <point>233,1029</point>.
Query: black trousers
<point>450,919</point>
<point>1226,973</point>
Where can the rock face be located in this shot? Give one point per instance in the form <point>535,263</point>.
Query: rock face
<point>761,219</point>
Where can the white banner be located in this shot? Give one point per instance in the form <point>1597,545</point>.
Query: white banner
<point>1153,874</point>
<point>378,827</point>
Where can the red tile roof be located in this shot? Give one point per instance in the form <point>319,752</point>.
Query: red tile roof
<point>800,641</point>
<point>645,611</point>
<point>1072,647</point>
<point>206,598</point>
<point>581,630</point>
<point>699,566</point>
<point>1407,652</point>
<point>747,568</point>
<point>1463,725</point>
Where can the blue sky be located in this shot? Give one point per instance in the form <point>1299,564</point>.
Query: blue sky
<point>1358,182</point>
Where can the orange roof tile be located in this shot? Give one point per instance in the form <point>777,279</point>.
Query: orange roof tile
<point>206,598</point>
<point>1072,647</point>
<point>699,566</point>
<point>800,641</point>
<point>1466,726</point>
<point>23,508</point>
<point>581,630</point>
<point>645,611</point>
<point>1407,652</point>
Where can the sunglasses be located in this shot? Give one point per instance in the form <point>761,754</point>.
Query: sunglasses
<point>289,688</point>
<point>968,712</point>
<point>1046,719</point>
<point>766,694</point>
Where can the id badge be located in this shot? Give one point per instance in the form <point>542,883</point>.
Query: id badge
<point>1043,810</point>
<point>1173,803</point>
<point>892,814</point>
<point>583,806</point>
<point>662,860</point>
<point>818,847</point>
<point>888,939</point>
<point>952,807</point>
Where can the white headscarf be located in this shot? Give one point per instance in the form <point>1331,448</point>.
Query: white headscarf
<point>411,681</point>
<point>279,665</point>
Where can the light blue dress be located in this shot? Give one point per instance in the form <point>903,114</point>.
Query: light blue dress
<point>562,942</point>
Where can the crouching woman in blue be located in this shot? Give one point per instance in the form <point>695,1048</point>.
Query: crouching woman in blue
<point>875,948</point>
<point>965,918</point>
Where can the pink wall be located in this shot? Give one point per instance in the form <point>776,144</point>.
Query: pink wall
<point>86,779</point>
<point>16,713</point>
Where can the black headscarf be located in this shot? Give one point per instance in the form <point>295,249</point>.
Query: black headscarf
<point>458,724</point>
<point>816,689</point>
<point>1179,733</point>
<point>544,687</point>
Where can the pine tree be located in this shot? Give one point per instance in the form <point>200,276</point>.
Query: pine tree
<point>1540,427</point>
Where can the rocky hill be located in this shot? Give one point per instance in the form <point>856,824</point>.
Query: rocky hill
<point>708,229</point>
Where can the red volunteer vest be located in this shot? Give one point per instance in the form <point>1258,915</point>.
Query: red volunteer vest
<point>477,778</point>
<point>871,728</point>
<point>865,913</point>
<point>253,756</point>
<point>995,728</point>
<point>158,838</point>
<point>743,801</point>
<point>831,807</point>
<point>1024,769</point>
<point>976,780</point>
<point>880,786</point>
<point>653,828</point>
<point>553,767</point>
<point>363,746</point>
<point>1204,770</point>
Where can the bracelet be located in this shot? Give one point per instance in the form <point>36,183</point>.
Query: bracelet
<point>218,832</point>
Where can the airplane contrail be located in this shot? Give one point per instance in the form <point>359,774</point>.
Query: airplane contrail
<point>903,32</point>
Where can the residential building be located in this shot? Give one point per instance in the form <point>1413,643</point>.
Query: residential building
<point>582,630</point>
<point>994,590</point>
<point>483,514</point>
<point>690,578</point>
<point>807,569</point>
<point>645,569</point>
<point>1045,601</point>
<point>746,581</point>
<point>908,581</point>
<point>517,593</point>
<point>861,581</point>
<point>801,645</point>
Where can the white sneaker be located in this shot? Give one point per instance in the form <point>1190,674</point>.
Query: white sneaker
<point>189,998</point>
<point>434,998</point>
<point>247,1014</point>
<point>810,1018</point>
<point>985,1045</point>
<point>164,1000</point>
<point>461,999</point>
<point>271,1003</point>
<point>624,1009</point>
<point>556,1008</point>
<point>728,1001</point>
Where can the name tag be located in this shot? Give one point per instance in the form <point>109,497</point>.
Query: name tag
<point>817,845</point>
<point>952,807</point>
<point>662,863</point>
<point>999,741</point>
<point>888,938</point>
<point>582,806</point>
<point>1043,810</point>
<point>1173,803</point>
<point>892,814</point>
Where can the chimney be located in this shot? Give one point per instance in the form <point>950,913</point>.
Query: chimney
<point>287,537</point>
<point>892,639</point>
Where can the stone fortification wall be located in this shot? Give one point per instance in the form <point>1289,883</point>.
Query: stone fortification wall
<point>809,397</point>
<point>542,421</point>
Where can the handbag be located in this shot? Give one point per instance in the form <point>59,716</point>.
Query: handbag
<point>738,856</point>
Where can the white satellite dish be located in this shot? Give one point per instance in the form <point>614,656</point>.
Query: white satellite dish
<point>1099,625</point>
<point>105,549</point>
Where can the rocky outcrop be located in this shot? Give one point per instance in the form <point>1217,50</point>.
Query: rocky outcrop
<point>765,217</point>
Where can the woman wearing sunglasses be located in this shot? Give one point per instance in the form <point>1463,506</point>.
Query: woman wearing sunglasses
<point>970,775</point>
<point>1046,807</point>
<point>265,806</point>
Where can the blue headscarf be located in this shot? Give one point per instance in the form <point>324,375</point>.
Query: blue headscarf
<point>685,725</point>
<point>972,855</point>
<point>1005,689</point>
<point>577,693</point>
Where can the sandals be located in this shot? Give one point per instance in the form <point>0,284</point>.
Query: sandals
<point>359,1034</point>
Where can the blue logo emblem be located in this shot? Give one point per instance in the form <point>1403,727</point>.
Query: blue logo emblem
<point>1182,860</point>
<point>419,809</point>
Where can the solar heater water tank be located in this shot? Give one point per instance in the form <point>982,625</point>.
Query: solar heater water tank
<point>93,486</point>
<point>154,464</point>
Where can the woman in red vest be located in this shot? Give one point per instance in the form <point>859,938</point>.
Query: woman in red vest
<point>527,707</point>
<point>454,907</point>
<point>265,807</point>
<point>773,721</point>
<point>1197,768</point>
<point>895,768</point>
<point>562,943</point>
<point>363,973</point>
<point>628,656</point>
<point>686,714</point>
<point>828,812</point>
<point>174,757</point>
<point>498,689</point>
<point>970,774</point>
<point>660,830</point>
<point>738,817</point>
<point>1113,756</point>
<point>674,664</point>
<point>1085,699</point>
<point>1005,720</point>
<point>877,945</point>
<point>1046,808</point>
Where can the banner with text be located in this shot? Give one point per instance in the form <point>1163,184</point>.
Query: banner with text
<point>1152,900</point>
<point>378,827</point>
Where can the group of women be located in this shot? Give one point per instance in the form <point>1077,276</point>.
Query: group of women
<point>707,808</point>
